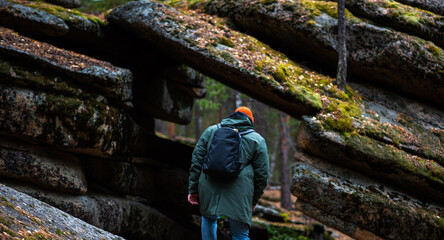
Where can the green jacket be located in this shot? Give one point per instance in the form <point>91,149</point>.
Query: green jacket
<point>231,198</point>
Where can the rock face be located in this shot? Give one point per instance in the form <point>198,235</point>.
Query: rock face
<point>370,208</point>
<point>43,171</point>
<point>375,54</point>
<point>78,132</point>
<point>115,214</point>
<point>149,21</point>
<point>39,220</point>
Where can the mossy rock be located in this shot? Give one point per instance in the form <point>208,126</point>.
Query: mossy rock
<point>68,123</point>
<point>24,217</point>
<point>375,158</point>
<point>271,72</point>
<point>404,18</point>
<point>377,55</point>
<point>84,72</point>
<point>356,208</point>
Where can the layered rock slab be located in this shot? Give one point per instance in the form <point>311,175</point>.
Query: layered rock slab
<point>63,172</point>
<point>16,14</point>
<point>376,158</point>
<point>435,6</point>
<point>82,126</point>
<point>114,214</point>
<point>36,21</point>
<point>88,35</point>
<point>360,207</point>
<point>401,17</point>
<point>110,81</point>
<point>27,218</point>
<point>192,40</point>
<point>375,54</point>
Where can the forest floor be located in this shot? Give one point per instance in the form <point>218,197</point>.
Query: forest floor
<point>272,197</point>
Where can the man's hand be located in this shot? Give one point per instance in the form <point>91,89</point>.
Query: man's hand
<point>193,199</point>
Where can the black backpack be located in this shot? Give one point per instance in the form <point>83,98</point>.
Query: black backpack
<point>223,156</point>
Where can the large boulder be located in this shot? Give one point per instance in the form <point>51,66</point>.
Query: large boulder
<point>68,123</point>
<point>374,157</point>
<point>23,217</point>
<point>361,207</point>
<point>118,215</point>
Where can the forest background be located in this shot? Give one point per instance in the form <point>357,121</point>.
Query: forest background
<point>278,129</point>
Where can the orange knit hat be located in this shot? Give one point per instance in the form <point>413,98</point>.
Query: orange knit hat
<point>247,111</point>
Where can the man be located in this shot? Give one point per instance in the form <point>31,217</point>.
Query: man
<point>234,198</point>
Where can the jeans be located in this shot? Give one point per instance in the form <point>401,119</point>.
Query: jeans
<point>239,230</point>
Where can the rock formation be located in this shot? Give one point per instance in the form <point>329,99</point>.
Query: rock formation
<point>79,95</point>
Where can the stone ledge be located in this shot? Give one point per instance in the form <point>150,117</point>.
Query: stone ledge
<point>363,207</point>
<point>374,158</point>
<point>70,124</point>
<point>110,81</point>
<point>23,217</point>
<point>118,215</point>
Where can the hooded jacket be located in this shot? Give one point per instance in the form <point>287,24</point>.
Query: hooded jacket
<point>231,198</point>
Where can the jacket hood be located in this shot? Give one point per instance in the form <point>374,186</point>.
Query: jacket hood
<point>238,120</point>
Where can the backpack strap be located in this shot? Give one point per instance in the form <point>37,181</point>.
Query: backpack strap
<point>246,132</point>
<point>211,137</point>
<point>249,161</point>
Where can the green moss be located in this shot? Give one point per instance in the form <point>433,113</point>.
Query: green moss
<point>11,233</point>
<point>384,155</point>
<point>258,66</point>
<point>227,42</point>
<point>227,57</point>
<point>266,2</point>
<point>285,217</point>
<point>59,232</point>
<point>66,15</point>
<point>194,4</point>
<point>280,73</point>
<point>330,8</point>
<point>5,201</point>
<point>434,50</point>
<point>307,96</point>
<point>339,115</point>
<point>4,221</point>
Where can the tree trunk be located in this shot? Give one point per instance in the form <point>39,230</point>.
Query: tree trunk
<point>198,122</point>
<point>171,131</point>
<point>341,77</point>
<point>273,157</point>
<point>285,178</point>
<point>238,99</point>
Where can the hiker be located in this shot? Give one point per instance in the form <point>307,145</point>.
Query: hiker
<point>233,197</point>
